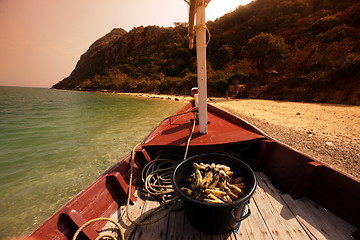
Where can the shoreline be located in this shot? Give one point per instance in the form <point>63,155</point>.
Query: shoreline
<point>326,132</point>
<point>329,133</point>
<point>180,98</point>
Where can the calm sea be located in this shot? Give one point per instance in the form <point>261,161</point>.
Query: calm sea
<point>53,143</point>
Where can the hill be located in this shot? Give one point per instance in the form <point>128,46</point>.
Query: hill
<point>297,50</point>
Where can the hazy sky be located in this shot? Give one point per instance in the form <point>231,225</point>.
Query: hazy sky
<point>42,40</point>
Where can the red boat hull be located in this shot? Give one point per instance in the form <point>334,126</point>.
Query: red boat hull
<point>290,171</point>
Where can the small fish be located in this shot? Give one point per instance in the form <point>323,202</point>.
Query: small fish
<point>186,191</point>
<point>223,167</point>
<point>238,180</point>
<point>232,195</point>
<point>240,185</point>
<point>222,173</point>
<point>199,166</point>
<point>226,198</point>
<point>222,184</point>
<point>215,182</point>
<point>207,179</point>
<point>212,196</point>
<point>215,192</point>
<point>236,190</point>
<point>198,178</point>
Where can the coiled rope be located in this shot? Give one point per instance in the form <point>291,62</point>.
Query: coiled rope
<point>156,176</point>
<point>121,234</point>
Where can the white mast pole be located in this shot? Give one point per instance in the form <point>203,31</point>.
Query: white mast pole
<point>201,64</point>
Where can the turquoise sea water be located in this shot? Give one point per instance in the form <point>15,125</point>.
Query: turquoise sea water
<point>53,143</point>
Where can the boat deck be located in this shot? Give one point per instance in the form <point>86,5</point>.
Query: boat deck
<point>273,216</point>
<point>292,210</point>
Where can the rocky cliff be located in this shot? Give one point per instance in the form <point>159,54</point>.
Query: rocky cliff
<point>99,56</point>
<point>297,50</point>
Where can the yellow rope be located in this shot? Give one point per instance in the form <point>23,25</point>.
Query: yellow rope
<point>191,35</point>
<point>150,189</point>
<point>100,236</point>
<point>203,26</point>
<point>142,219</point>
<point>190,136</point>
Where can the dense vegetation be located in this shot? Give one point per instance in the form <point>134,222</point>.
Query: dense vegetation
<point>298,50</point>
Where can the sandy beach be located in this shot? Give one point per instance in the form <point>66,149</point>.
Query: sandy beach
<point>327,132</point>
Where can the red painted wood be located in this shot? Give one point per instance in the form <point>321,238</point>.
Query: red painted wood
<point>261,157</point>
<point>305,180</point>
<point>286,167</point>
<point>337,192</point>
<point>220,132</point>
<point>295,173</point>
<point>93,202</point>
<point>118,181</point>
<point>78,219</point>
<point>146,155</point>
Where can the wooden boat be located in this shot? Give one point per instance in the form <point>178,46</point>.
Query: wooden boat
<point>297,197</point>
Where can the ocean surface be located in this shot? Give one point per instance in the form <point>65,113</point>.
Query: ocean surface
<point>53,143</point>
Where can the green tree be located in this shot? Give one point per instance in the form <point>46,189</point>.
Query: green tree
<point>324,24</point>
<point>221,56</point>
<point>335,34</point>
<point>266,49</point>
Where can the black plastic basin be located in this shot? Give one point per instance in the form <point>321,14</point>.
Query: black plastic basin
<point>210,217</point>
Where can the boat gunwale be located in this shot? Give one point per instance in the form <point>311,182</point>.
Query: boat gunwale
<point>320,167</point>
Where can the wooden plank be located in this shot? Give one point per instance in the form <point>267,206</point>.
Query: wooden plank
<point>317,221</point>
<point>110,228</point>
<point>273,216</point>
<point>179,227</point>
<point>156,230</point>
<point>231,236</point>
<point>280,221</point>
<point>337,192</point>
<point>121,217</point>
<point>254,226</point>
<point>227,236</point>
<point>134,212</point>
